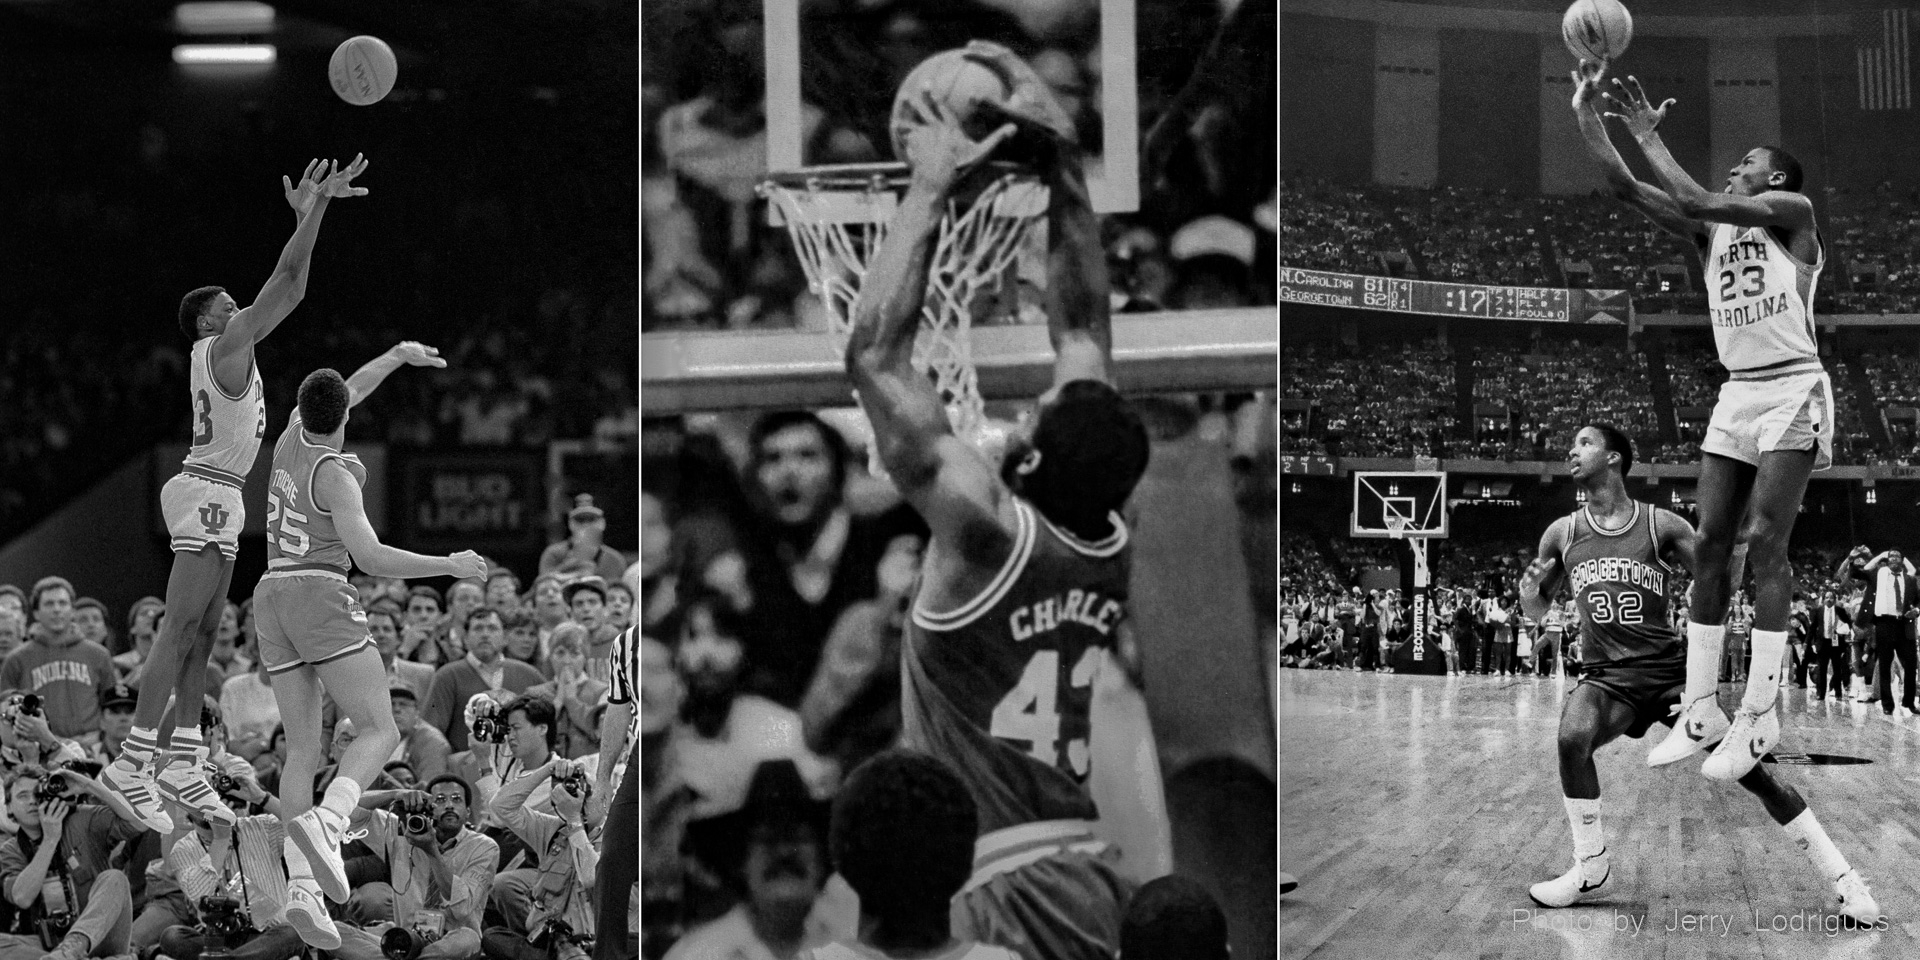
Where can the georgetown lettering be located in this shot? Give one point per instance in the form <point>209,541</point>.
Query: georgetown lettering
<point>1618,570</point>
<point>1752,313</point>
<point>57,671</point>
<point>1075,606</point>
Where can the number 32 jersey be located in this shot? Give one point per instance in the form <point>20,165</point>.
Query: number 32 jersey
<point>300,535</point>
<point>1002,687</point>
<point>1620,583</point>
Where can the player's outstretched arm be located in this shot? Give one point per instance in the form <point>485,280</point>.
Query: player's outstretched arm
<point>1079,315</point>
<point>1542,576</point>
<point>1652,202</point>
<point>1676,539</point>
<point>336,492</point>
<point>406,353</point>
<point>288,284</point>
<point>1775,208</point>
<point>952,487</point>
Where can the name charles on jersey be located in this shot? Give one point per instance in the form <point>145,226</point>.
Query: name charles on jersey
<point>1087,607</point>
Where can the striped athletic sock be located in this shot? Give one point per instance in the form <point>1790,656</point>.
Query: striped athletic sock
<point>139,748</point>
<point>187,746</point>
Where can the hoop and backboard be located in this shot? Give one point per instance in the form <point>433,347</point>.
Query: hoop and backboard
<point>1414,502</point>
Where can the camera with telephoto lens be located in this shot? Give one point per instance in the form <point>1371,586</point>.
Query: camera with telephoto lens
<point>405,943</point>
<point>489,725</point>
<point>222,782</point>
<point>224,920</point>
<point>575,783</point>
<point>558,933</point>
<point>55,787</point>
<point>416,817</point>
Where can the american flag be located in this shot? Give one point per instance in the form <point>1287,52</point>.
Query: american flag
<point>1885,72</point>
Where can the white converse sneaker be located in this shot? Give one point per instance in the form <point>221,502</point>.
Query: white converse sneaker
<point>186,784</point>
<point>1749,739</point>
<point>1856,900</point>
<point>136,793</point>
<point>1588,875</point>
<point>319,841</point>
<point>1699,726</point>
<point>307,914</point>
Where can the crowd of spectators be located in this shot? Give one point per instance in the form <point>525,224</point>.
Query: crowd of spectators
<point>1330,226</point>
<point>1466,235</point>
<point>1373,402</point>
<point>1554,387</point>
<point>505,862</point>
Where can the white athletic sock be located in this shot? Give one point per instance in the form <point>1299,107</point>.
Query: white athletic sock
<point>1763,671</point>
<point>188,746</point>
<point>138,750</point>
<point>1806,831</point>
<point>297,865</point>
<point>1588,836</point>
<point>1704,647</point>
<point>343,794</point>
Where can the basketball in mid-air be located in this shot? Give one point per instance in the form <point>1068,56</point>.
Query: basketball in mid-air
<point>1597,29</point>
<point>363,70</point>
<point>955,81</point>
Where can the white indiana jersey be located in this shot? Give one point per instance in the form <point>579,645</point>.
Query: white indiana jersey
<point>1761,300</point>
<point>226,429</point>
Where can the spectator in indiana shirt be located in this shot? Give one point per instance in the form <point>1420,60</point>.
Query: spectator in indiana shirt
<point>68,673</point>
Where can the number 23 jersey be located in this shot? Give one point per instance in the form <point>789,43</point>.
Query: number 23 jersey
<point>226,429</point>
<point>1002,687</point>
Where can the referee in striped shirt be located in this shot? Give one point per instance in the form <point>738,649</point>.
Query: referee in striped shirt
<point>620,843</point>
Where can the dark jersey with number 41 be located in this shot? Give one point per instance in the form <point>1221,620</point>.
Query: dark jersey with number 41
<point>1002,687</point>
<point>1620,583</point>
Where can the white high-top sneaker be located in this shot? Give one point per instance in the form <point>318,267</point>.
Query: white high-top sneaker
<point>1856,900</point>
<point>1588,875</point>
<point>1700,725</point>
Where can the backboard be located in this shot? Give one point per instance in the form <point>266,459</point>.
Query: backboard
<point>822,55</point>
<point>1418,497</point>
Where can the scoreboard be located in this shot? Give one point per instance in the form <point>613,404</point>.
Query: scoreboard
<point>1452,299</point>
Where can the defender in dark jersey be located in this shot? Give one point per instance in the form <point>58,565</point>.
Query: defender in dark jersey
<point>1024,590</point>
<point>1614,556</point>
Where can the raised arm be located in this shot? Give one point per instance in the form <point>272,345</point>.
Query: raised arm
<point>403,354</point>
<point>950,484</point>
<point>336,491</point>
<point>1543,575</point>
<point>1079,315</point>
<point>288,284</point>
<point>1774,208</point>
<point>1652,202</point>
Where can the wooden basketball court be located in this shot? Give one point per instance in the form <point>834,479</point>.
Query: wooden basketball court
<point>1416,811</point>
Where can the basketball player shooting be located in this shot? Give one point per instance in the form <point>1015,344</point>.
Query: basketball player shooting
<point>313,633</point>
<point>204,514</point>
<point>1615,555</point>
<point>1772,425</point>
<point>1024,587</point>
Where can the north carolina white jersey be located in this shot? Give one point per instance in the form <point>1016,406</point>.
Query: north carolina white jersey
<point>1761,300</point>
<point>226,429</point>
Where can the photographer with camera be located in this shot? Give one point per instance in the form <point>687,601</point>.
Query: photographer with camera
<point>509,742</point>
<point>59,866</point>
<point>232,877</point>
<point>546,912</point>
<point>27,742</point>
<point>439,873</point>
<point>485,669</point>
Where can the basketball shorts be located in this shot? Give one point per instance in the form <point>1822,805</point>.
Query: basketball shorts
<point>306,618</point>
<point>200,511</point>
<point>1652,686</point>
<point>1044,890</point>
<point>1788,412</point>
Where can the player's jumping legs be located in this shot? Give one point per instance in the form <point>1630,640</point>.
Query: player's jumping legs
<point>1788,809</point>
<point>357,682</point>
<point>1778,486</point>
<point>179,773</point>
<point>1590,720</point>
<point>1724,486</point>
<point>196,582</point>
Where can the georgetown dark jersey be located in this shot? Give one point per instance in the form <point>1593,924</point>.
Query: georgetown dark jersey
<point>1002,687</point>
<point>1620,584</point>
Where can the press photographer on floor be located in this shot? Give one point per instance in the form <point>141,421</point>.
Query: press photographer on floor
<point>439,872</point>
<point>232,876</point>
<point>547,912</point>
<point>58,867</point>
<point>509,742</point>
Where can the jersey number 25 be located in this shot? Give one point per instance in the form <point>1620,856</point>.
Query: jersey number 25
<point>293,540</point>
<point>1030,712</point>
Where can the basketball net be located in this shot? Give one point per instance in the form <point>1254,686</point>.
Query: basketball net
<point>837,217</point>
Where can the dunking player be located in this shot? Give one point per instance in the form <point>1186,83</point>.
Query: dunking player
<point>1615,555</point>
<point>1773,423</point>
<point>313,633</point>
<point>204,515</point>
<point>1025,580</point>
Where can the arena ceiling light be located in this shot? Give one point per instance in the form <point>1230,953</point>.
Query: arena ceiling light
<point>202,54</point>
<point>241,17</point>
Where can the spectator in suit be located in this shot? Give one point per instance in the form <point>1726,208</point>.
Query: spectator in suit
<point>1894,594</point>
<point>1827,649</point>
